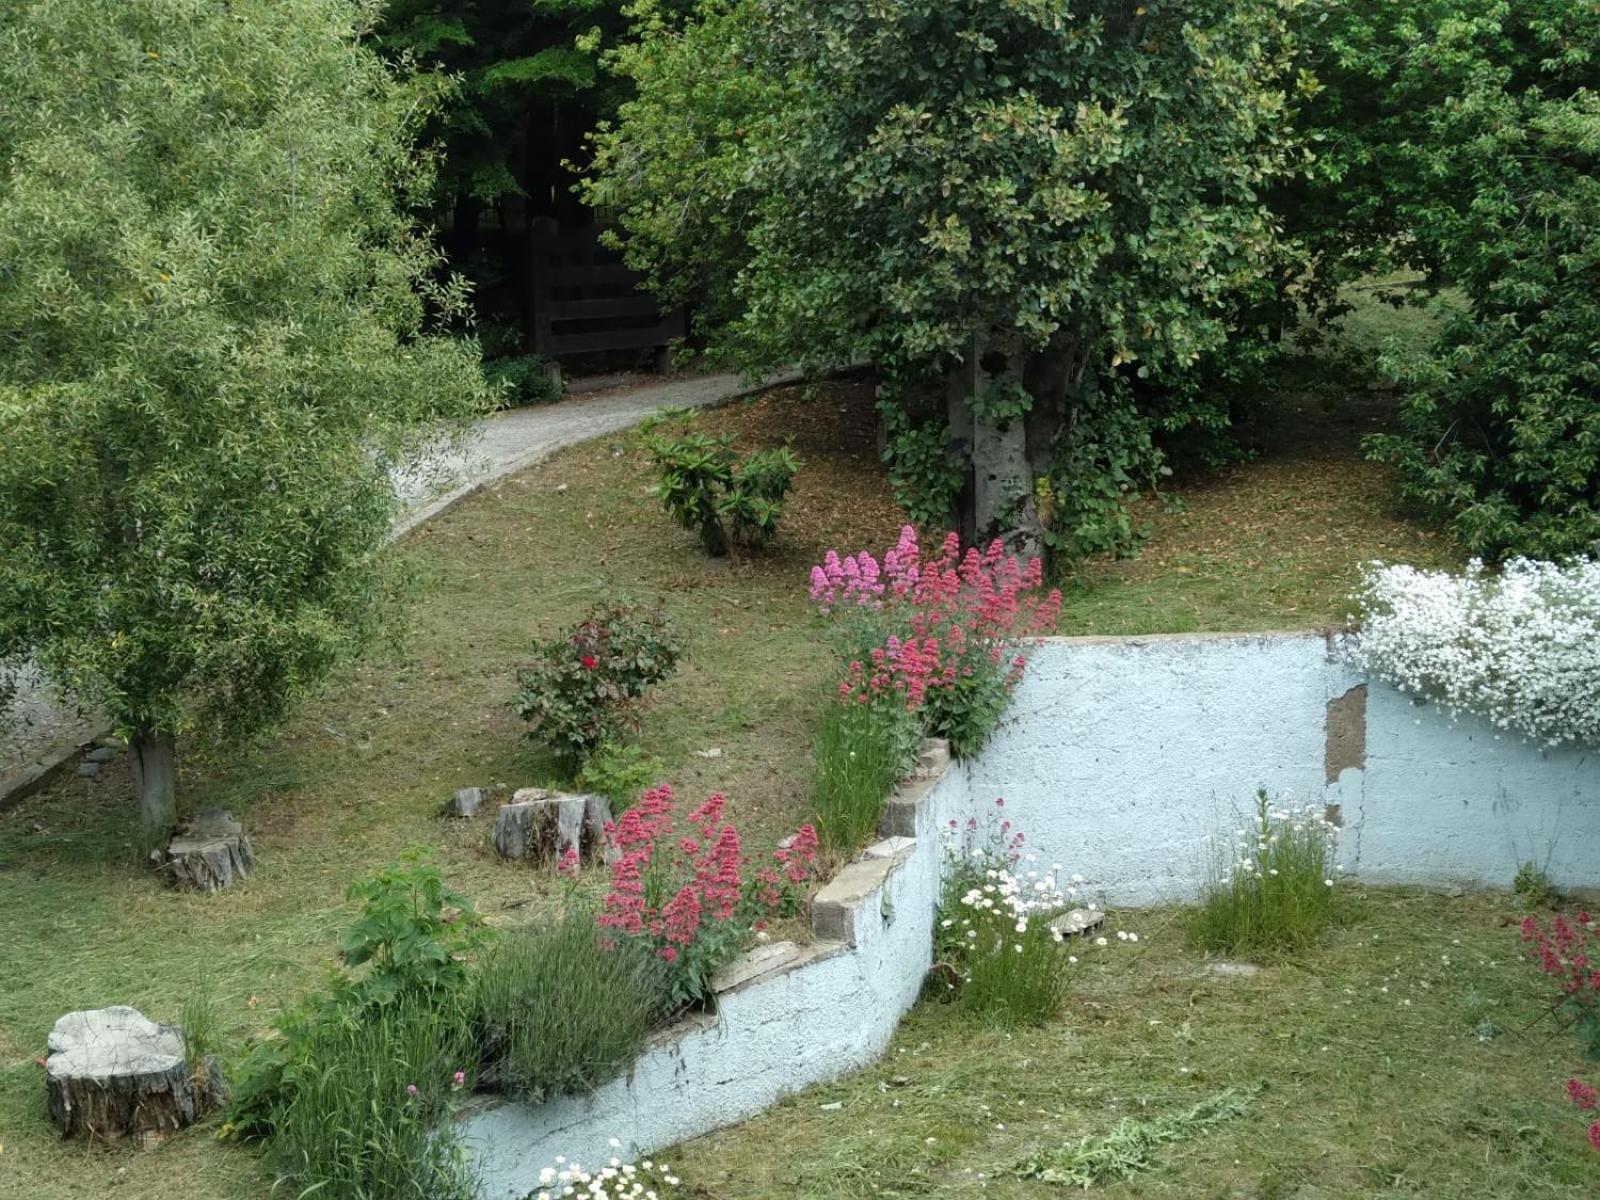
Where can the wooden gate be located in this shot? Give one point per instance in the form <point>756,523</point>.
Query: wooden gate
<point>585,299</point>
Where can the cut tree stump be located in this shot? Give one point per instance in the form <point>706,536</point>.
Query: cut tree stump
<point>209,852</point>
<point>465,802</point>
<point>112,1073</point>
<point>543,826</point>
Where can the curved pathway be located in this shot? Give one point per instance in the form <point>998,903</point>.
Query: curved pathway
<point>40,737</point>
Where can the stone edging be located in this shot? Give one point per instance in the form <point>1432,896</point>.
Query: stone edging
<point>788,1015</point>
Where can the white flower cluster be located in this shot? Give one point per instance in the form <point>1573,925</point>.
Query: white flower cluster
<point>616,1180</point>
<point>1521,648</point>
<point>1307,826</point>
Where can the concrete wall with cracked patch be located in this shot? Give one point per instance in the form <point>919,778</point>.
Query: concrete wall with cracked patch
<point>788,1016</point>
<point>1121,757</point>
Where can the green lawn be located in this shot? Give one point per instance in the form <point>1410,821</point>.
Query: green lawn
<point>1407,1057</point>
<point>357,777</point>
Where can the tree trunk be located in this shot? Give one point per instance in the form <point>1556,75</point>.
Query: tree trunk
<point>155,778</point>
<point>1002,476</point>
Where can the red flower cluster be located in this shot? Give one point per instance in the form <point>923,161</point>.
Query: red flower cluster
<point>1585,1097</point>
<point>686,895</point>
<point>1570,954</point>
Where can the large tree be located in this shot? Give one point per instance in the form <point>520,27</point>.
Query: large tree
<point>1461,139</point>
<point>1049,206</point>
<point>212,352</point>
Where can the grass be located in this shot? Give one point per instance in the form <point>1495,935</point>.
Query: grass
<point>358,776</point>
<point>1380,1071</point>
<point>856,766</point>
<point>560,1015</point>
<point>1270,891</point>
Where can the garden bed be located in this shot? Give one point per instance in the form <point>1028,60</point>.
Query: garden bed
<point>357,777</point>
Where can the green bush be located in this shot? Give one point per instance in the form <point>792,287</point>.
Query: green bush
<point>860,753</point>
<point>730,504</point>
<point>368,1115</point>
<point>522,379</point>
<point>411,941</point>
<point>582,690</point>
<point>558,1014</point>
<point>1272,891</point>
<point>618,772</point>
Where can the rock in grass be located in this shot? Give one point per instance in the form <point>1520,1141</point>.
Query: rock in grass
<point>544,826</point>
<point>1077,921</point>
<point>112,1073</point>
<point>209,852</point>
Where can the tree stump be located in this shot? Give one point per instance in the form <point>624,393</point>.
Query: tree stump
<point>544,826</point>
<point>464,802</point>
<point>208,853</point>
<point>112,1073</point>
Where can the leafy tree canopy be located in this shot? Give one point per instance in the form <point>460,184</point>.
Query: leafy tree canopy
<point>212,352</point>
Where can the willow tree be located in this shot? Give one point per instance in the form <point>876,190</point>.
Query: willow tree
<point>1050,205</point>
<point>212,353</point>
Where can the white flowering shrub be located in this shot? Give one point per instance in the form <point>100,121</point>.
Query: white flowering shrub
<point>1521,648</point>
<point>616,1180</point>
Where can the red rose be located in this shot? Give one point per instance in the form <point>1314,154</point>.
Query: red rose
<point>590,662</point>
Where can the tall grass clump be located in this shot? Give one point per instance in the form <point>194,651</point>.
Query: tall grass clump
<point>558,1013</point>
<point>1271,889</point>
<point>859,756</point>
<point>368,1115</point>
<point>996,954</point>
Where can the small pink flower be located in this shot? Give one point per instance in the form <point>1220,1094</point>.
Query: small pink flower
<point>590,662</point>
<point>411,1089</point>
<point>1581,1094</point>
<point>1594,1135</point>
<point>459,1079</point>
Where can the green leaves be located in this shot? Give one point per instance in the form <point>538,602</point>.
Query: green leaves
<point>218,354</point>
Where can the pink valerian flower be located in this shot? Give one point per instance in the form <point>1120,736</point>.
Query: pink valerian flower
<point>411,1090</point>
<point>459,1079</point>
<point>954,616</point>
<point>569,863</point>
<point>1581,1094</point>
<point>691,898</point>
<point>1594,1135</point>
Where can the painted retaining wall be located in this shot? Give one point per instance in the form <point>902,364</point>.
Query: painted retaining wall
<point>788,1016</point>
<point>1120,757</point>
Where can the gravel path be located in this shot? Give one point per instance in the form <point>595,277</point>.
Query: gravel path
<point>39,731</point>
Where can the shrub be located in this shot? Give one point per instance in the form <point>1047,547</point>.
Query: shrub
<point>618,772</point>
<point>944,636</point>
<point>995,950</point>
<point>860,753</point>
<point>730,504</point>
<point>1271,891</point>
<point>1521,649</point>
<point>1569,955</point>
<point>687,895</point>
<point>558,1015</point>
<point>1532,886</point>
<point>368,1117</point>
<point>582,690</point>
<point>413,938</point>
<point>521,379</point>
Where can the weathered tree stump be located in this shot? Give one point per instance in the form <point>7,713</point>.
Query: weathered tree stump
<point>207,853</point>
<point>544,826</point>
<point>112,1073</point>
<point>465,802</point>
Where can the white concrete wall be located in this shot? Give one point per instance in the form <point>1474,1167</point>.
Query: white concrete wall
<point>788,1017</point>
<point>1121,757</point>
